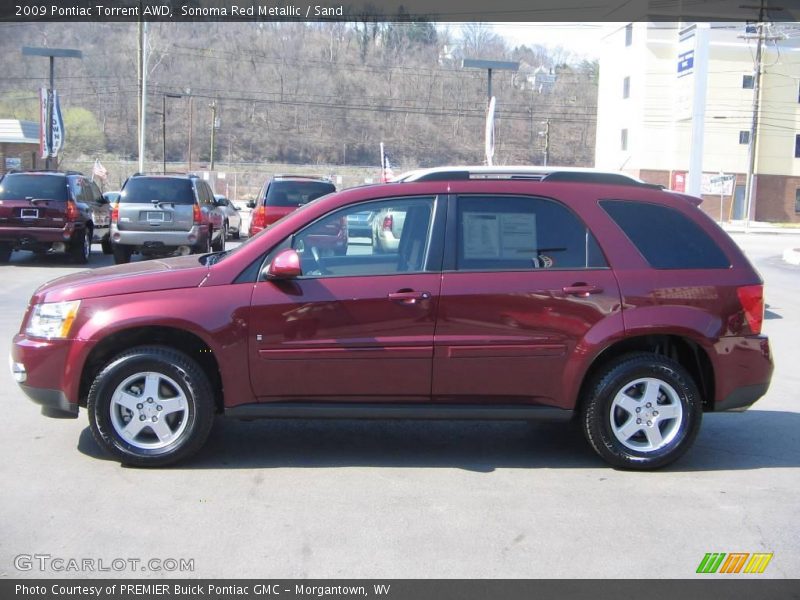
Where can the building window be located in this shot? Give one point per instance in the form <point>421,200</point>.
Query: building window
<point>624,140</point>
<point>748,82</point>
<point>797,201</point>
<point>797,146</point>
<point>629,34</point>
<point>626,87</point>
<point>744,137</point>
<point>798,93</point>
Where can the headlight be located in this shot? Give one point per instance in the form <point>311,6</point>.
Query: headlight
<point>52,320</point>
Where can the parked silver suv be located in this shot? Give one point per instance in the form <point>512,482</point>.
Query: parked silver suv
<point>165,214</point>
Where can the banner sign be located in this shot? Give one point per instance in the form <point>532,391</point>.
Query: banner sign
<point>44,148</point>
<point>58,126</point>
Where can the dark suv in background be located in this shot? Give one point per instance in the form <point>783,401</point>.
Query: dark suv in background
<point>530,294</point>
<point>52,211</point>
<point>165,214</point>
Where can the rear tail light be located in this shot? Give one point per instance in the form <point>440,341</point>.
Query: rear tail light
<point>260,217</point>
<point>115,213</point>
<point>751,298</point>
<point>71,213</point>
<point>197,215</point>
<point>388,222</point>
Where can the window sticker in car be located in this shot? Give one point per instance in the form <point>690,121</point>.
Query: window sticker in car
<point>503,235</point>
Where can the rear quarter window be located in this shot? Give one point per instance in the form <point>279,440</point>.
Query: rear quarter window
<point>143,190</point>
<point>665,237</point>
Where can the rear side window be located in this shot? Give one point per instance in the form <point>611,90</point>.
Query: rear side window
<point>146,189</point>
<point>19,187</point>
<point>666,238</point>
<point>521,233</point>
<point>296,193</point>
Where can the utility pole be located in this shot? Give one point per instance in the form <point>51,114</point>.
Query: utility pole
<point>191,112</point>
<point>546,141</point>
<point>164,127</point>
<point>751,182</point>
<point>51,53</point>
<point>213,107</point>
<point>142,90</point>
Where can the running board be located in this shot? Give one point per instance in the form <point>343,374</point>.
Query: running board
<point>326,410</point>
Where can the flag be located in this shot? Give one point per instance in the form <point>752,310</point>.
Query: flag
<point>44,146</point>
<point>99,170</point>
<point>58,126</point>
<point>386,167</point>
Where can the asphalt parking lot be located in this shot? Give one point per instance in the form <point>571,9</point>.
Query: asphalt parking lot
<point>328,499</point>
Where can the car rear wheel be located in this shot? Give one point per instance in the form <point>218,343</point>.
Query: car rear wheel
<point>122,254</point>
<point>81,246</point>
<point>5,253</point>
<point>151,406</point>
<point>105,244</point>
<point>642,411</point>
<point>219,244</point>
<point>204,246</point>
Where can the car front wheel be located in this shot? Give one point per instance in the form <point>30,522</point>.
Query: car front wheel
<point>122,254</point>
<point>642,411</point>
<point>151,406</point>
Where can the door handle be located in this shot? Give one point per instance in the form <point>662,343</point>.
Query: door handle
<point>409,296</point>
<point>582,290</point>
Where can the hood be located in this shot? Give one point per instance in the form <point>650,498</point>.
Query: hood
<point>144,276</point>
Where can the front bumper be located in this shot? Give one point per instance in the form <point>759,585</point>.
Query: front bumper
<point>53,402</point>
<point>47,371</point>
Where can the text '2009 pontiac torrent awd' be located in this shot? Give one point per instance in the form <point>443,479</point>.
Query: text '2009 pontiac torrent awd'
<point>509,295</point>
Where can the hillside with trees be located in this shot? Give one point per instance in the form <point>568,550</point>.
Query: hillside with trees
<point>306,93</point>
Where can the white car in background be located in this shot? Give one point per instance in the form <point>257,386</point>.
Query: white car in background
<point>230,211</point>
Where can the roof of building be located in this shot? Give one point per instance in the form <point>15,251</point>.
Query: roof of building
<point>14,131</point>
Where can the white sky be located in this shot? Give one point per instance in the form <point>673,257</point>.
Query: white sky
<point>583,39</point>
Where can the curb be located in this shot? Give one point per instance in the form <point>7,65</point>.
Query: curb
<point>792,256</point>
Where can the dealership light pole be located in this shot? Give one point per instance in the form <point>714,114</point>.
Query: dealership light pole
<point>51,53</point>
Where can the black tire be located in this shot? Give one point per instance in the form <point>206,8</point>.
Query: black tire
<point>5,253</point>
<point>176,368</point>
<point>122,253</point>
<point>219,244</point>
<point>105,244</point>
<point>236,234</point>
<point>675,389</point>
<point>81,246</point>
<point>204,245</point>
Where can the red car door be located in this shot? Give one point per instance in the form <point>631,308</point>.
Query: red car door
<point>357,327</point>
<point>524,284</point>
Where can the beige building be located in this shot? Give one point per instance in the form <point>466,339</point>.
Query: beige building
<point>644,112</point>
<point>19,145</point>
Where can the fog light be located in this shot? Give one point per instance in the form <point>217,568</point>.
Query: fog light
<point>59,247</point>
<point>18,371</point>
<point>116,237</point>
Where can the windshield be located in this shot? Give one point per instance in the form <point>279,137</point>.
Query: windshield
<point>21,186</point>
<point>160,189</point>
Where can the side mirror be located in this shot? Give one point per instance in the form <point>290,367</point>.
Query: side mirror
<point>286,265</point>
<point>251,204</point>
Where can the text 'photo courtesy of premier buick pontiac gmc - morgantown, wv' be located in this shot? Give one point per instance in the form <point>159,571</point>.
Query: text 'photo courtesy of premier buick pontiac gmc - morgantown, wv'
<point>511,293</point>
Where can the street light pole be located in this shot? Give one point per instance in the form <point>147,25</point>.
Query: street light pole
<point>213,107</point>
<point>51,53</point>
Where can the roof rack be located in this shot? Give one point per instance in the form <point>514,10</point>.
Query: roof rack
<point>566,174</point>
<point>315,177</point>
<point>166,174</point>
<point>54,171</point>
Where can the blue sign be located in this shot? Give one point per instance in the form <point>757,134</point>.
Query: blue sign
<point>685,63</point>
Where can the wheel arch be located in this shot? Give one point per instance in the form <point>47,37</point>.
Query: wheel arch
<point>179,339</point>
<point>687,352</point>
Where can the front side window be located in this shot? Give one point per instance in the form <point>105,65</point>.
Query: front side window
<point>512,233</point>
<point>397,239</point>
<point>665,237</point>
<point>296,192</point>
<point>797,200</point>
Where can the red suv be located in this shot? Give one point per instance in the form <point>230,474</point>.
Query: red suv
<point>540,294</point>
